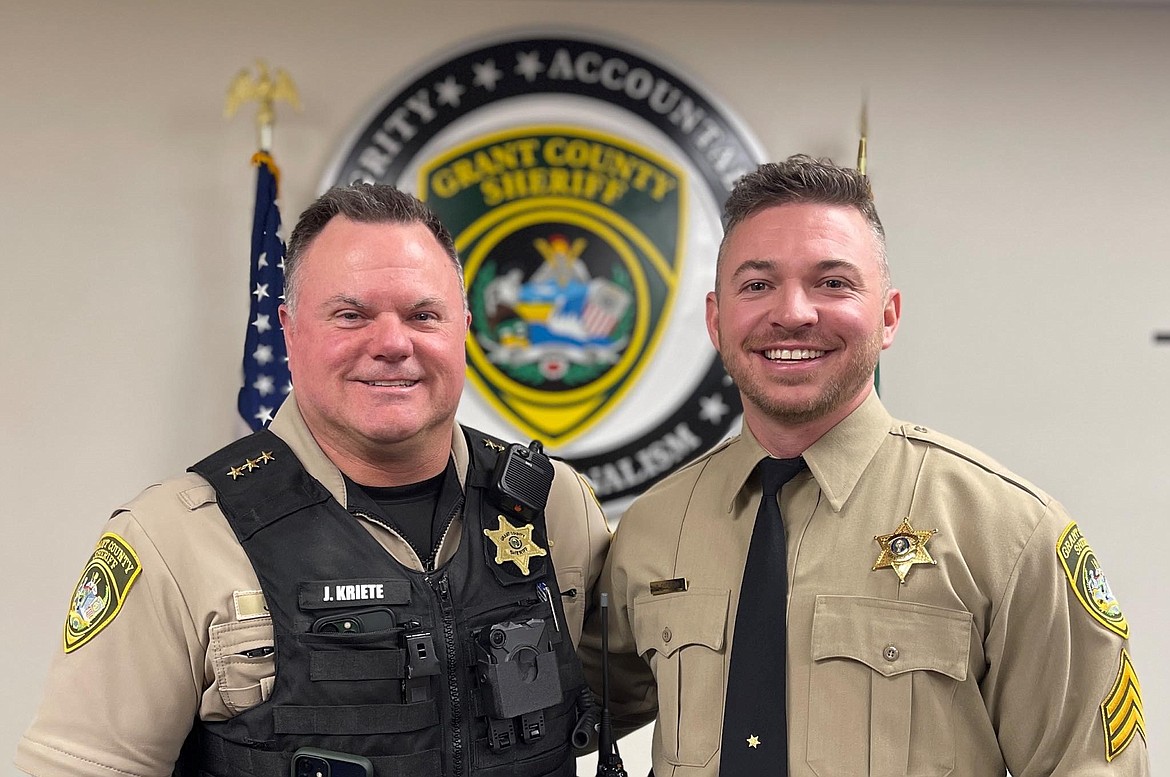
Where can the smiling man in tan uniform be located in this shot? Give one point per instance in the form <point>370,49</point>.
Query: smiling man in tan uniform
<point>339,580</point>
<point>944,616</point>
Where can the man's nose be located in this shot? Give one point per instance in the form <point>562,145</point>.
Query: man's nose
<point>793,307</point>
<point>390,338</point>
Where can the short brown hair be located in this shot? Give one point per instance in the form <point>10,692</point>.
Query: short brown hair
<point>368,204</point>
<point>801,178</point>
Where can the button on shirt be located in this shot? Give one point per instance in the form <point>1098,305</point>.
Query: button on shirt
<point>981,662</point>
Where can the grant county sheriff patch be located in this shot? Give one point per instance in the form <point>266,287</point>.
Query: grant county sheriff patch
<point>583,184</point>
<point>111,570</point>
<point>1088,580</point>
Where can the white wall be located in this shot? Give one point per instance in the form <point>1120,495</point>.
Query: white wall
<point>1019,154</point>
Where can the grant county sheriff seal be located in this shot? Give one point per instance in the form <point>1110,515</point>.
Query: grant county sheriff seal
<point>583,184</point>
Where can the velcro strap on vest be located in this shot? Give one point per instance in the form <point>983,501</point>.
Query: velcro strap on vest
<point>388,664</point>
<point>428,763</point>
<point>219,756</point>
<point>355,719</point>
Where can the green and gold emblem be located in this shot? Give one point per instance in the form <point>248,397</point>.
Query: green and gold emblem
<point>571,245</point>
<point>102,589</point>
<point>1088,580</point>
<point>580,179</point>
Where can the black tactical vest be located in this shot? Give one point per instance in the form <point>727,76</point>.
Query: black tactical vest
<point>464,671</point>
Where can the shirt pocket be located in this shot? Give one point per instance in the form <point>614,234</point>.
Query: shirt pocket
<point>682,636</point>
<point>889,668</point>
<point>571,581</point>
<point>244,661</point>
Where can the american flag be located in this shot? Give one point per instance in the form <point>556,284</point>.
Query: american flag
<point>266,376</point>
<point>604,307</point>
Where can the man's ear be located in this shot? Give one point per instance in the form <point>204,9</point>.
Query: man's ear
<point>891,315</point>
<point>713,319</point>
<point>286,326</point>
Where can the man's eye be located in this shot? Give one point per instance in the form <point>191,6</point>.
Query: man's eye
<point>757,286</point>
<point>836,283</point>
<point>349,315</point>
<point>425,317</point>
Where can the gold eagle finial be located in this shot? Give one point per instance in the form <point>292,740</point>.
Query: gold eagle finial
<point>265,89</point>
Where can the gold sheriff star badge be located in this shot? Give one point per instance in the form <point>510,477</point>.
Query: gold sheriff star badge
<point>904,548</point>
<point>514,544</point>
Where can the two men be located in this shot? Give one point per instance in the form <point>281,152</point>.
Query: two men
<point>357,578</point>
<point>905,605</point>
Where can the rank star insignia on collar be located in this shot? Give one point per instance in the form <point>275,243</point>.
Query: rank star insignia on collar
<point>903,548</point>
<point>250,465</point>
<point>753,741</point>
<point>514,543</point>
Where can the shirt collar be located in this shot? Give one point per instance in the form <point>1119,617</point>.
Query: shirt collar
<point>289,425</point>
<point>837,460</point>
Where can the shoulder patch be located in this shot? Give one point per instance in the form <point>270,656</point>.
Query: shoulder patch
<point>102,589</point>
<point>1088,580</point>
<point>1121,712</point>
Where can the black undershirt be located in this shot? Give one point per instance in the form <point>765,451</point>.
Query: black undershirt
<point>411,511</point>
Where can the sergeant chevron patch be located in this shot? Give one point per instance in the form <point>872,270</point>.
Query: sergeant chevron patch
<point>1121,712</point>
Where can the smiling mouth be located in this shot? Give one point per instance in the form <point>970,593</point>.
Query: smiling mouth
<point>792,355</point>
<point>390,383</point>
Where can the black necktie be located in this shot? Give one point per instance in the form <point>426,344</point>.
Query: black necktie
<point>755,718</point>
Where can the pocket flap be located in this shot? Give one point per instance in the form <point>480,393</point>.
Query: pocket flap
<point>242,654</point>
<point>668,622</point>
<point>892,637</point>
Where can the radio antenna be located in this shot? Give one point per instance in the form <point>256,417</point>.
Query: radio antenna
<point>609,760</point>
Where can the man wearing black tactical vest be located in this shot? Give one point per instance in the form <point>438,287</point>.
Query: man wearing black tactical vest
<point>367,578</point>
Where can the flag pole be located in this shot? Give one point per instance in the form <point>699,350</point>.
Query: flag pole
<point>862,159</point>
<point>266,377</point>
<point>861,144</point>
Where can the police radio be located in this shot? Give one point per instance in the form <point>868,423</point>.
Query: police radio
<point>521,480</point>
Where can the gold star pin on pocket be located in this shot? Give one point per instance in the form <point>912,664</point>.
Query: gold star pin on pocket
<point>903,548</point>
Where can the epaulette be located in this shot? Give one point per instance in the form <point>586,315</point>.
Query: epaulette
<point>702,458</point>
<point>971,455</point>
<point>189,490</point>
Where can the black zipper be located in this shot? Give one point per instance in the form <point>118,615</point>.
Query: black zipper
<point>443,588</point>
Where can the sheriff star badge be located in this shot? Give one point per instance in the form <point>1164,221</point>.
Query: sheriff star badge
<point>903,548</point>
<point>514,543</point>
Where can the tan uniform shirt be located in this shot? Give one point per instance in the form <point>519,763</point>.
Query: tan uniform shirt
<point>123,703</point>
<point>987,659</point>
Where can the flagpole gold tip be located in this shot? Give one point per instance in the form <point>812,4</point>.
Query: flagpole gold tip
<point>266,90</point>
